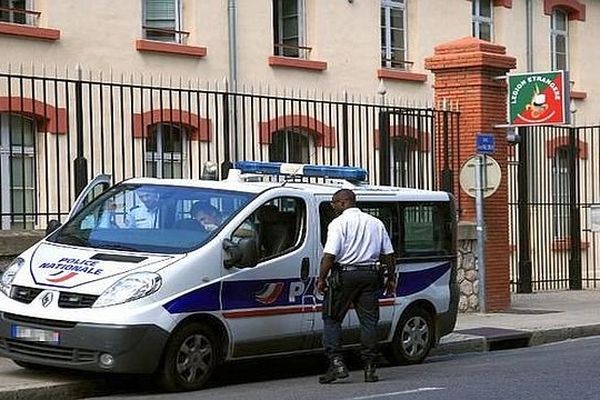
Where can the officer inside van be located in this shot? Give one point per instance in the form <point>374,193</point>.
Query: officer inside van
<point>145,215</point>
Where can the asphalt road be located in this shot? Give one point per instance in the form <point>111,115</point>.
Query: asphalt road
<point>564,370</point>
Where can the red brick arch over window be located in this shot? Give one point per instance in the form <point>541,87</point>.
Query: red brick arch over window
<point>574,8</point>
<point>48,118</point>
<point>553,145</point>
<point>418,138</point>
<point>199,128</point>
<point>324,135</point>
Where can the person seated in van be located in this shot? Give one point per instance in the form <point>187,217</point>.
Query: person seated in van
<point>145,215</point>
<point>207,215</point>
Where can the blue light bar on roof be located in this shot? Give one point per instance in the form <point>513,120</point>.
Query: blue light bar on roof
<point>320,171</point>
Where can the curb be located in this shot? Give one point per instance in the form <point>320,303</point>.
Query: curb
<point>63,391</point>
<point>456,343</point>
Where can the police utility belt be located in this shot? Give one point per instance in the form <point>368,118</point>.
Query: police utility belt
<point>358,267</point>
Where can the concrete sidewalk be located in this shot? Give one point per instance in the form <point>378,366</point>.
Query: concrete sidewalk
<point>532,320</point>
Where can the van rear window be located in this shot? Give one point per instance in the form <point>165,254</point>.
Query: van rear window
<point>427,229</point>
<point>417,229</point>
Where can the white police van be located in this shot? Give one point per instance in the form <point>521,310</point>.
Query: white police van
<point>107,291</point>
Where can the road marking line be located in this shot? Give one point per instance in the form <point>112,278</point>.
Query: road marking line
<point>375,396</point>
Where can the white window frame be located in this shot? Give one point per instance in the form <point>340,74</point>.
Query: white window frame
<point>6,151</point>
<point>177,37</point>
<point>288,132</point>
<point>387,47</point>
<point>560,193</point>
<point>301,15</point>
<point>30,19</point>
<point>401,165</point>
<point>479,20</point>
<point>160,157</point>
<point>554,34</point>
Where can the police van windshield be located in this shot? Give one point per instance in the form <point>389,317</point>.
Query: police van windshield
<point>152,218</point>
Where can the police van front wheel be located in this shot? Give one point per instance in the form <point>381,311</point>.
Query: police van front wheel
<point>190,358</point>
<point>413,338</point>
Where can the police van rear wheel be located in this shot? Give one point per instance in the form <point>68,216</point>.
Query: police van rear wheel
<point>413,338</point>
<point>190,358</point>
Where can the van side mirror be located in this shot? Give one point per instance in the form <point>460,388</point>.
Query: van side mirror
<point>242,254</point>
<point>53,225</point>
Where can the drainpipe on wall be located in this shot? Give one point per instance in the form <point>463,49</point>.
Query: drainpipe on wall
<point>230,101</point>
<point>529,34</point>
<point>232,31</point>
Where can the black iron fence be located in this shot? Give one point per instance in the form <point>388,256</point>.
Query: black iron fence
<point>56,133</point>
<point>555,209</point>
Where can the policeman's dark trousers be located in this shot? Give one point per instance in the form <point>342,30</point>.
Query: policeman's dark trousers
<point>361,289</point>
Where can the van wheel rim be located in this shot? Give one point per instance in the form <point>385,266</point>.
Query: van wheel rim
<point>415,336</point>
<point>194,358</point>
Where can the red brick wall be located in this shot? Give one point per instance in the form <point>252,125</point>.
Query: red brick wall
<point>464,74</point>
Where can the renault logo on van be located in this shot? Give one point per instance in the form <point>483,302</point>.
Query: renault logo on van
<point>47,299</point>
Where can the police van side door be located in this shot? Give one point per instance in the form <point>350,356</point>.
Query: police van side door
<point>92,190</point>
<point>268,306</point>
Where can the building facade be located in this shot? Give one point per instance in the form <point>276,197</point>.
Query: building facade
<point>154,75</point>
<point>330,46</point>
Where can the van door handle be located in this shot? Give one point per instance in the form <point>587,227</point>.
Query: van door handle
<point>305,268</point>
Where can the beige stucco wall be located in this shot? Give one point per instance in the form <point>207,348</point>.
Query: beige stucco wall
<point>100,35</point>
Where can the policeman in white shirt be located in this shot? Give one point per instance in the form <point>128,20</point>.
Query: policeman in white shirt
<point>357,249</point>
<point>145,215</point>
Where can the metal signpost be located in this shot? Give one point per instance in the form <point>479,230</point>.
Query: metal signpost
<point>485,144</point>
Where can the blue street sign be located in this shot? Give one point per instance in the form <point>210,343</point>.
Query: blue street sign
<point>485,143</point>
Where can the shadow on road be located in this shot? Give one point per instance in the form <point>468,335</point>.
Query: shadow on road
<point>241,372</point>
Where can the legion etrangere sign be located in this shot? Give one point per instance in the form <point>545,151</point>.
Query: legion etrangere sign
<point>538,98</point>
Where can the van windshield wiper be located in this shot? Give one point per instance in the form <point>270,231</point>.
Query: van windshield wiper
<point>117,247</point>
<point>71,238</point>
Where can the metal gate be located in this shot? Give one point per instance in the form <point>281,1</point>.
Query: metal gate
<point>553,190</point>
<point>58,132</point>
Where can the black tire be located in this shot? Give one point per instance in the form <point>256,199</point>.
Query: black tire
<point>31,366</point>
<point>413,338</point>
<point>190,358</point>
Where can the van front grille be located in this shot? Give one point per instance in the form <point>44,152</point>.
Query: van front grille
<point>48,323</point>
<point>65,300</point>
<point>24,294</point>
<point>48,352</point>
<point>76,300</point>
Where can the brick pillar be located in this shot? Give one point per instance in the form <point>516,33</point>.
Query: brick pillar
<point>464,73</point>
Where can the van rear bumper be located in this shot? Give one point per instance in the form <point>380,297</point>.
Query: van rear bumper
<point>135,348</point>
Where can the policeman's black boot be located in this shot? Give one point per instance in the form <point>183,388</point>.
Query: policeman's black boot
<point>337,370</point>
<point>370,372</point>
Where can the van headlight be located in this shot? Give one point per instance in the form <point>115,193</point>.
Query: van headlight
<point>129,288</point>
<point>9,275</point>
